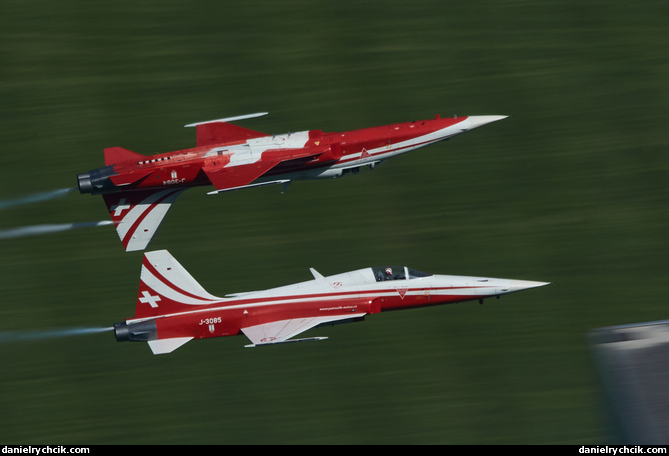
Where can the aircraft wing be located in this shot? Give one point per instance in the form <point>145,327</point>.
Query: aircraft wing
<point>234,177</point>
<point>138,214</point>
<point>279,332</point>
<point>241,176</point>
<point>219,130</point>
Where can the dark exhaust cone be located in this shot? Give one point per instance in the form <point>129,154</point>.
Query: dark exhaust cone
<point>136,332</point>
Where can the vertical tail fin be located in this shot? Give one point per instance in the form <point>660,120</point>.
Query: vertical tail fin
<point>166,287</point>
<point>138,214</point>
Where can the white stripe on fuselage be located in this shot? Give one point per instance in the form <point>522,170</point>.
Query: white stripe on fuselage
<point>251,151</point>
<point>265,299</point>
<point>402,147</point>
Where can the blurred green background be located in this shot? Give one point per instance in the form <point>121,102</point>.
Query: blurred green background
<point>571,189</point>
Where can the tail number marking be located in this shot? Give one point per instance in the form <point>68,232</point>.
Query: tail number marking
<point>174,179</point>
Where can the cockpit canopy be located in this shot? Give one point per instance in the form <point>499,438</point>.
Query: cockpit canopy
<point>383,273</point>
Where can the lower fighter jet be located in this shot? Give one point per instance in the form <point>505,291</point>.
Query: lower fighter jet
<point>172,308</point>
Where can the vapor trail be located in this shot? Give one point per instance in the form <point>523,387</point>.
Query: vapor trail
<point>36,197</point>
<point>13,336</point>
<point>36,230</point>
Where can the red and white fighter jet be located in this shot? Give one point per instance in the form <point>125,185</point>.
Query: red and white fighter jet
<point>172,308</point>
<point>139,190</point>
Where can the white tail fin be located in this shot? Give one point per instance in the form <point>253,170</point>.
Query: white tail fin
<point>166,287</point>
<point>138,214</point>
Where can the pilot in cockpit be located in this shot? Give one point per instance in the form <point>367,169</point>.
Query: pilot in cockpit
<point>387,273</point>
<point>397,276</point>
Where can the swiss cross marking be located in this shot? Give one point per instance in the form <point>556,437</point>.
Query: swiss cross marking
<point>120,207</point>
<point>152,300</point>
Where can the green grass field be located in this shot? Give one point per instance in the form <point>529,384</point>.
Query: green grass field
<point>570,189</point>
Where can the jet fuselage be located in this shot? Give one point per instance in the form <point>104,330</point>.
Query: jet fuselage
<point>172,306</point>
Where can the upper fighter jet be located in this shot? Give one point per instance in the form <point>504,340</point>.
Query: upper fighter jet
<point>172,308</point>
<point>139,190</point>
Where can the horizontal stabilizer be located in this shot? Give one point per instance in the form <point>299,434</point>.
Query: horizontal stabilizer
<point>163,346</point>
<point>116,155</point>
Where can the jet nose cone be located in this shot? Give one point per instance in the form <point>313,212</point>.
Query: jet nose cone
<point>520,285</point>
<point>479,121</point>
